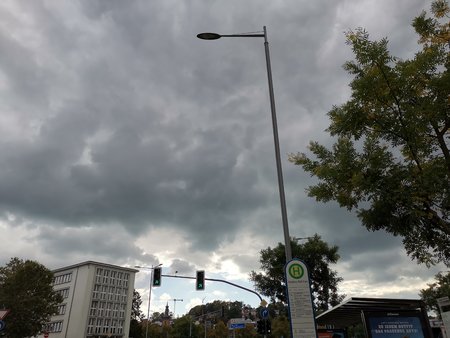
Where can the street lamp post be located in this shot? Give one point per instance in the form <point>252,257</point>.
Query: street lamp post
<point>175,300</point>
<point>215,36</point>
<point>149,292</point>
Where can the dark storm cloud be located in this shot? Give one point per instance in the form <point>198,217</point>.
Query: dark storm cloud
<point>157,164</point>
<point>78,244</point>
<point>115,113</point>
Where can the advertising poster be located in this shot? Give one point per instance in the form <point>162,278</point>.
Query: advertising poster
<point>395,325</point>
<point>334,333</point>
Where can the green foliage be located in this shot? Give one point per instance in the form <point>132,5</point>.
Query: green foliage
<point>136,329</point>
<point>136,312</point>
<point>280,327</point>
<point>391,160</point>
<point>220,330</point>
<point>231,309</point>
<point>438,289</point>
<point>317,255</point>
<point>182,326</point>
<point>277,309</point>
<point>154,331</point>
<point>26,290</point>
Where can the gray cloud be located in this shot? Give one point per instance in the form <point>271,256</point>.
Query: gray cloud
<point>117,122</point>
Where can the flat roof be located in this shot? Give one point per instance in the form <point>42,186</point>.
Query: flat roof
<point>94,263</point>
<point>348,312</point>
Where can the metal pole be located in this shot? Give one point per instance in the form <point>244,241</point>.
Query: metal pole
<point>203,313</point>
<point>149,299</point>
<point>287,240</point>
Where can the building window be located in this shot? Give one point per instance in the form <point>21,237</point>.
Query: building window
<point>63,292</point>
<point>61,309</point>
<point>61,279</point>
<point>55,326</point>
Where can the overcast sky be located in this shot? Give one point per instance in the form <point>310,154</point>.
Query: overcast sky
<point>126,140</point>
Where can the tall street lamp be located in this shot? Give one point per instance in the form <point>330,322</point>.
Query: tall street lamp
<point>151,268</point>
<point>175,300</point>
<point>215,36</point>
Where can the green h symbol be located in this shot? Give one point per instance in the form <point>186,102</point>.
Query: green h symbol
<point>296,271</point>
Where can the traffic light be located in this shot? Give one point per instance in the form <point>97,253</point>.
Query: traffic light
<point>260,326</point>
<point>268,326</point>
<point>156,277</point>
<point>200,280</point>
<point>263,326</point>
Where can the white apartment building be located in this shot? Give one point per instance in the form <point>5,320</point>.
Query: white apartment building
<point>97,301</point>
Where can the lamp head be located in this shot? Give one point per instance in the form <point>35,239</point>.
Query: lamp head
<point>209,36</point>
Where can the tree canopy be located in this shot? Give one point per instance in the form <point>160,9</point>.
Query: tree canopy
<point>317,255</point>
<point>440,288</point>
<point>136,316</point>
<point>26,290</point>
<point>391,158</point>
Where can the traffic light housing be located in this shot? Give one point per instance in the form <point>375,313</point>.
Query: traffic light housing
<point>268,327</point>
<point>200,280</point>
<point>156,277</point>
<point>260,326</point>
<point>263,326</point>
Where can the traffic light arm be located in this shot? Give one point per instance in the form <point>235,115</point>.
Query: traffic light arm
<point>218,280</point>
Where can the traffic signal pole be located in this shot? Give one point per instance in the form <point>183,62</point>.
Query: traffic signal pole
<point>218,280</point>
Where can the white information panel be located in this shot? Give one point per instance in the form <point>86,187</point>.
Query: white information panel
<point>444,303</point>
<point>301,310</point>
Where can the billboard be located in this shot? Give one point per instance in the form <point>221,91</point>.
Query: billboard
<point>395,324</point>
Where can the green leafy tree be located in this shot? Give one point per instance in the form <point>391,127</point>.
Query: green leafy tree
<point>391,159</point>
<point>280,327</point>
<point>136,330</point>
<point>277,309</point>
<point>438,289</point>
<point>220,330</point>
<point>136,312</point>
<point>231,310</point>
<point>166,330</point>
<point>26,290</point>
<point>317,255</point>
<point>155,331</point>
<point>182,326</point>
<point>155,316</point>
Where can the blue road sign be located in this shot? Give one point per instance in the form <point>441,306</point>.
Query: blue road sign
<point>264,313</point>
<point>2,325</point>
<point>237,326</point>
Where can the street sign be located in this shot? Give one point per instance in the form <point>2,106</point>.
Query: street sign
<point>237,326</point>
<point>2,325</point>
<point>443,301</point>
<point>3,314</point>
<point>264,313</point>
<point>238,320</point>
<point>301,311</point>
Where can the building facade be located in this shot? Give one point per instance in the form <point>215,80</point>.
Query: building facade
<point>97,300</point>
